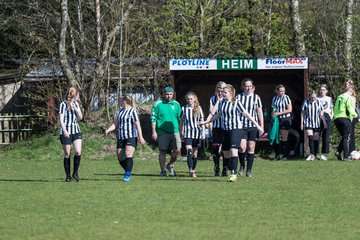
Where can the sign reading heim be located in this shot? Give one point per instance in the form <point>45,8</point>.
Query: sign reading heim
<point>239,63</point>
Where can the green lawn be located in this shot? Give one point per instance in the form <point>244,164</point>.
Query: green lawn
<point>283,200</point>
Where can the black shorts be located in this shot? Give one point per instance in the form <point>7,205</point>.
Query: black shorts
<point>216,135</point>
<point>285,123</point>
<point>250,133</point>
<point>193,142</point>
<point>314,129</point>
<point>328,121</point>
<point>122,143</point>
<point>69,140</point>
<point>232,138</point>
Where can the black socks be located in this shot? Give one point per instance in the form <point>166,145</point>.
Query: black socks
<point>233,164</point>
<point>67,166</point>
<point>242,157</point>
<point>75,174</point>
<point>216,155</point>
<point>76,163</point>
<point>250,161</point>
<point>189,159</point>
<point>76,167</point>
<point>129,164</point>
<point>123,164</point>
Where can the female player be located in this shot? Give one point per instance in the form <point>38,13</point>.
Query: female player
<point>192,132</point>
<point>282,109</point>
<point>216,130</point>
<point>252,104</point>
<point>312,115</point>
<point>70,113</point>
<point>230,111</point>
<point>127,123</point>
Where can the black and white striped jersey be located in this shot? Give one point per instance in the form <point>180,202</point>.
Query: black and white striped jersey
<point>327,103</point>
<point>70,117</point>
<point>231,114</point>
<point>125,120</point>
<point>251,103</point>
<point>216,123</point>
<point>192,129</point>
<point>311,111</point>
<point>280,104</point>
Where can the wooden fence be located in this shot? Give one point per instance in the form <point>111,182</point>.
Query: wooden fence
<point>15,127</point>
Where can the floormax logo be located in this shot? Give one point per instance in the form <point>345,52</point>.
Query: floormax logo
<point>281,61</point>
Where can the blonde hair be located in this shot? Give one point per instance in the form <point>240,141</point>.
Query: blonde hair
<point>278,88</point>
<point>311,93</point>
<point>219,85</point>
<point>232,91</point>
<point>128,99</point>
<point>352,85</point>
<point>196,103</point>
<point>71,94</point>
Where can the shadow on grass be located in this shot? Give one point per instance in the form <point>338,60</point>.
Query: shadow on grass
<point>51,181</point>
<point>186,178</point>
<point>121,174</point>
<point>181,176</point>
<point>26,180</point>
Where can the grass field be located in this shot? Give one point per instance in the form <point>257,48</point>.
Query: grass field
<point>283,200</point>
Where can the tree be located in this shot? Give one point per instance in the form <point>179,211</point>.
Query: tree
<point>348,37</point>
<point>85,37</point>
<point>296,24</point>
<point>93,79</point>
<point>325,36</point>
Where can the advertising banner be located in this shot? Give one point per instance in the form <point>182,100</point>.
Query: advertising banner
<point>193,64</point>
<point>283,63</point>
<point>269,63</point>
<point>236,64</point>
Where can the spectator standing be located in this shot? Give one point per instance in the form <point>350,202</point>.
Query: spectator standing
<point>344,113</point>
<point>328,106</point>
<point>354,121</point>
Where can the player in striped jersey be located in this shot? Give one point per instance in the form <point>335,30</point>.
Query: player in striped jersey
<point>252,104</point>
<point>230,111</point>
<point>312,113</point>
<point>192,132</point>
<point>70,113</point>
<point>282,109</point>
<point>129,132</point>
<point>216,130</point>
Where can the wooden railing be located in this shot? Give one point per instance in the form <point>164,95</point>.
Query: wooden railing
<point>15,127</point>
